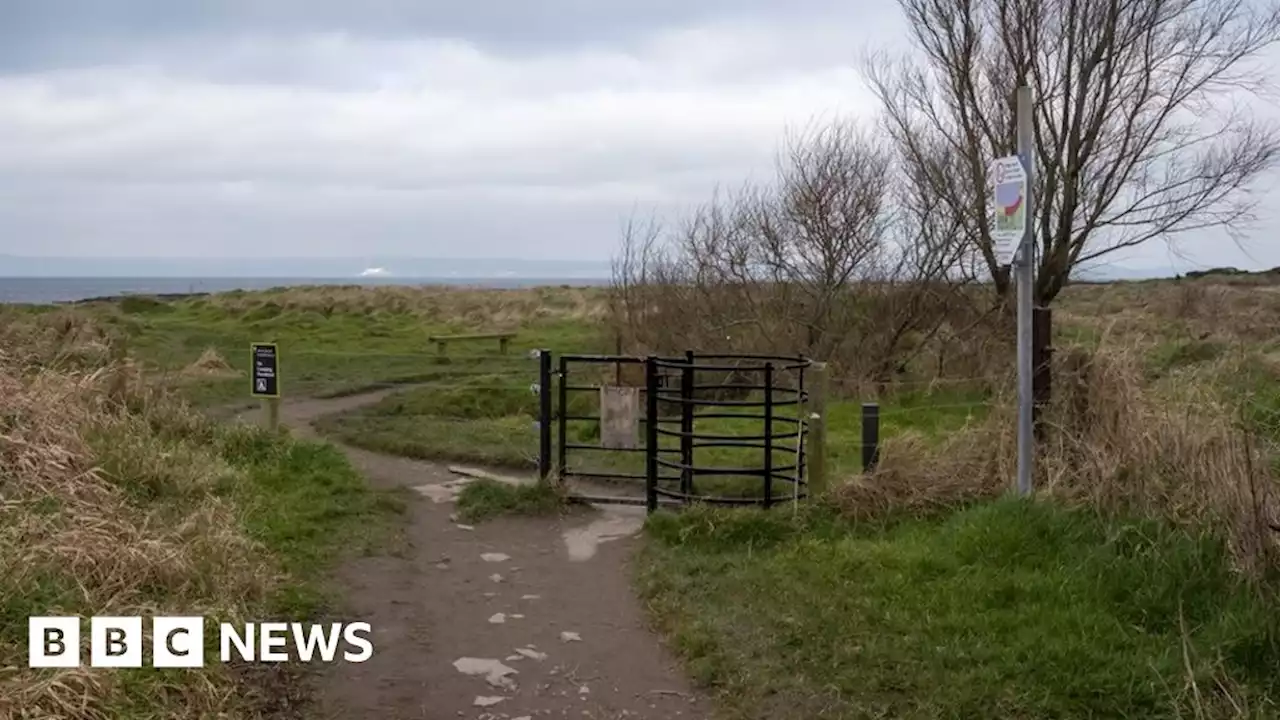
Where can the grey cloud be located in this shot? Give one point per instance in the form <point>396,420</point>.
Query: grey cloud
<point>42,33</point>
<point>482,128</point>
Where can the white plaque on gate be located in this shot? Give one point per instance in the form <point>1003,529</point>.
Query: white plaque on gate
<point>619,417</point>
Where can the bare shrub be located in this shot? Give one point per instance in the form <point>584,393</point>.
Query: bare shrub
<point>823,263</point>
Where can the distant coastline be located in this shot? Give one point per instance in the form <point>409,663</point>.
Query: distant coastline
<point>64,290</point>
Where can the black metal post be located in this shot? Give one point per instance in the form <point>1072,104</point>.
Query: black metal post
<point>870,436</point>
<point>802,425</point>
<point>1042,369</point>
<point>562,465</point>
<point>686,425</point>
<point>544,414</point>
<point>651,433</point>
<point>768,435</point>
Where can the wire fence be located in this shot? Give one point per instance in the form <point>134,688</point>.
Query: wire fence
<point>487,408</point>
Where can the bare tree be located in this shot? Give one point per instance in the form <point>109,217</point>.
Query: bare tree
<point>823,261</point>
<point>1139,132</point>
<point>824,226</point>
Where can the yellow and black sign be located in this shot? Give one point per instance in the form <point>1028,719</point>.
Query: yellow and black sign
<point>266,370</point>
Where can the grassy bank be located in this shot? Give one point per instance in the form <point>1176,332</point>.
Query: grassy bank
<point>333,340</point>
<point>119,500</point>
<point>1140,584</point>
<point>1000,610</point>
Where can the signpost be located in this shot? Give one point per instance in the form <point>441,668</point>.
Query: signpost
<point>1013,243</point>
<point>265,381</point>
<point>1017,219</point>
<point>1009,180</point>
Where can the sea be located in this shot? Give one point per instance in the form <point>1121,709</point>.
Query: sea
<point>47,290</point>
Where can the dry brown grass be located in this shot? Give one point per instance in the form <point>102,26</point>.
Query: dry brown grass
<point>1233,312</point>
<point>210,364</point>
<point>497,308</point>
<point>77,541</point>
<point>1115,442</point>
<point>1120,440</point>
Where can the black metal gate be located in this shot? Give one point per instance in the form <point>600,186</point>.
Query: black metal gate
<point>719,429</point>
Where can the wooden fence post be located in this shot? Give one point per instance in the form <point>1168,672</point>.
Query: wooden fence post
<point>1042,366</point>
<point>816,442</point>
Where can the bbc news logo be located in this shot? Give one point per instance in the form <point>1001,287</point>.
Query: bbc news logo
<point>178,642</point>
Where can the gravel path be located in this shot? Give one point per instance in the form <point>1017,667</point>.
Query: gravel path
<point>514,618</point>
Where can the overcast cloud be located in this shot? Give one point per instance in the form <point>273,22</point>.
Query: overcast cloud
<point>487,128</point>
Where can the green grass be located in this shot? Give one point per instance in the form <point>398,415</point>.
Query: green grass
<point>343,352</point>
<point>302,503</point>
<point>487,419</point>
<point>475,407</point>
<point>310,507</point>
<point>1009,610</point>
<point>486,499</point>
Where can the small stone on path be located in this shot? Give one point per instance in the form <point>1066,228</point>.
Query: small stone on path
<point>530,597</point>
<point>570,637</point>
<point>495,577</point>
<point>497,619</point>
<point>495,672</point>
<point>495,557</point>
<point>466,527</point>
<point>532,654</point>
<point>488,701</point>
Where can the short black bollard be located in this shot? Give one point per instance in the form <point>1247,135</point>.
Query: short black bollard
<point>870,436</point>
<point>544,415</point>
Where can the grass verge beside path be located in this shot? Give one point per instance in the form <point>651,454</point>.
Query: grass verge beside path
<point>486,499</point>
<point>140,506</point>
<point>1008,609</point>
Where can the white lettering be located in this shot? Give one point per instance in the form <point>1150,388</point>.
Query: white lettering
<point>243,643</point>
<point>316,636</point>
<point>352,635</point>
<point>273,636</point>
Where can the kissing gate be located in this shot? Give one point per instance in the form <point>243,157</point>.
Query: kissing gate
<point>722,429</point>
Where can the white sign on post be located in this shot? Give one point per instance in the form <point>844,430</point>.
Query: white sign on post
<point>1010,190</point>
<point>619,417</point>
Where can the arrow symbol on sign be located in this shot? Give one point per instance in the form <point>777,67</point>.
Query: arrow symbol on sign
<point>262,385</point>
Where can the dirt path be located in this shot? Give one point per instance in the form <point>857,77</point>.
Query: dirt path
<point>514,618</point>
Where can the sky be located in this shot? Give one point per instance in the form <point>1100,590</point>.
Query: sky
<point>479,129</point>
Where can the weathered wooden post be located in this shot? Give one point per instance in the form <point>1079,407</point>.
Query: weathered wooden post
<point>816,442</point>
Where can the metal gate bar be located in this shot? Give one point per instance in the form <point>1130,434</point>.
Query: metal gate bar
<point>672,384</point>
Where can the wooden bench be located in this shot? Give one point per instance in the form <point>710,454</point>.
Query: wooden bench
<point>442,341</point>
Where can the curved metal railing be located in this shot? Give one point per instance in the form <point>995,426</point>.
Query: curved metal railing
<point>777,399</point>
